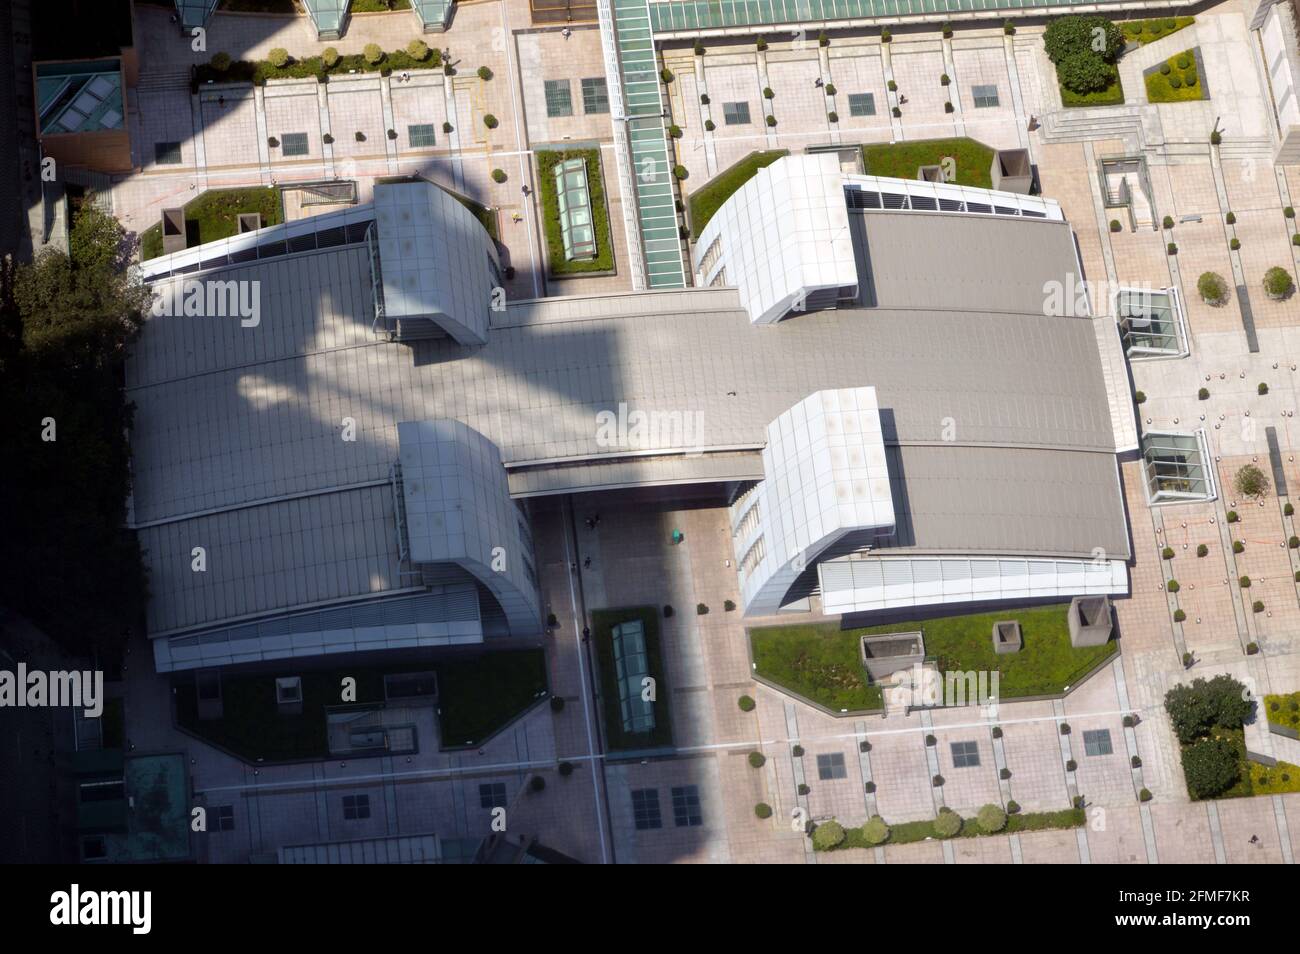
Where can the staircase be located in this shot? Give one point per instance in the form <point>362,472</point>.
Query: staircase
<point>169,79</point>
<point>1257,147</point>
<point>1094,123</point>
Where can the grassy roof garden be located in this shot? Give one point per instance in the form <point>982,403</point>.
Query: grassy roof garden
<point>253,728</point>
<point>215,215</point>
<point>973,160</point>
<point>547,160</point>
<point>821,661</point>
<point>1112,95</point>
<point>1148,31</point>
<point>1275,780</point>
<point>603,622</point>
<point>1176,80</point>
<point>708,198</point>
<point>1283,710</point>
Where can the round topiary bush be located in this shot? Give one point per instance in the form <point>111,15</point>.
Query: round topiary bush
<point>1244,582</point>
<point>447,127</point>
<point>1013,807</point>
<point>830,89</point>
<point>947,824</point>
<point>1234,243</point>
<point>1288,509</point>
<point>1213,288</point>
<point>1278,283</point>
<point>1257,606</point>
<point>1140,397</point>
<point>1238,546</point>
<point>763,810</point>
<point>1183,61</point>
<point>675,131</point>
<point>1179,616</point>
<point>797,751</point>
<point>372,53</point>
<point>1071,766</point>
<point>875,831</point>
<point>1202,550</point>
<point>1167,222</point>
<point>417,49</point>
<point>1171,248</point>
<point>757,759</point>
<point>680,171</point>
<point>484,73</point>
<point>1144,795</point>
<point>1167,553</point>
<point>1251,482</point>
<point>991,818</point>
<point>771,120</point>
<point>832,117</point>
<point>1203,394</point>
<point>220,62</point>
<point>746,703</point>
<point>1233,516</point>
<point>1190,78</point>
<point>498,175</point>
<point>278,57</point>
<point>666,75</point>
<point>1175,82</point>
<point>1166,69</point>
<point>490,121</point>
<point>709,125</point>
<point>828,835</point>
<point>329,57</point>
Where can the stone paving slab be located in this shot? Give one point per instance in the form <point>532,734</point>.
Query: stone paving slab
<point>1049,848</point>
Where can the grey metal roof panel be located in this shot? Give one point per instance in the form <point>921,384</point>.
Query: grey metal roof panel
<point>273,557</point>
<point>1027,501</point>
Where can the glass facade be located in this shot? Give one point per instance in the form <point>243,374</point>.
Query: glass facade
<point>328,16</point>
<point>632,665</point>
<point>1176,468</point>
<point>559,98</point>
<point>595,95</point>
<point>862,104</point>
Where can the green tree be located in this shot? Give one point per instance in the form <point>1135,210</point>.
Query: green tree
<point>1210,768</point>
<point>1084,72</point>
<point>1195,709</point>
<point>1251,482</point>
<point>828,835</point>
<point>1083,34</point>
<point>66,561</point>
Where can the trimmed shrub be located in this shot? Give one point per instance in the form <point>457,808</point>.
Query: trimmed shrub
<point>278,57</point>
<point>897,112</point>
<point>768,93</point>
<point>666,75</point>
<point>893,86</point>
<point>1140,397</point>
<point>1065,728</point>
<point>668,611</point>
<point>763,810</point>
<point>709,125</point>
<point>557,704</point>
<point>1071,765</point>
<point>885,35</point>
<point>1004,774</point>
<point>1289,212</point>
<point>1167,222</point>
<point>417,49</point>
<point>1183,61</point>
<point>1252,649</point>
<point>757,759</point>
<point>704,99</point>
<point>832,117</point>
<point>701,609</point>
<point>948,107</point>
<point>1257,606</point>
<point>1233,517</point>
<point>803,789</point>
<point>1175,82</point>
<point>1013,807</point>
<point>991,818</point>
<point>1115,226</point>
<point>1202,550</point>
<point>680,172</point>
<point>1216,137</point>
<point>1165,69</point>
<point>1135,761</point>
<point>830,89</point>
<point>823,39</point>
<point>728,606</point>
<point>1167,553</point>
<point>1213,288</point>
<point>828,835</point>
<point>552,621</point>
<point>1009,28</point>
<point>875,831</point>
<point>771,120</point>
<point>761,43</point>
<point>947,30</point>
<point>947,824</point>
<point>1287,510</point>
<point>359,136</point>
<point>1293,542</point>
<point>997,732</point>
<point>675,131</point>
<point>1188,659</point>
<point>1234,243</point>
<point>796,751</point>
<point>484,73</point>
<point>221,62</point>
<point>746,703</point>
<point>1128,722</point>
<point>327,139</point>
<point>1203,394</point>
<point>498,175</point>
<point>1278,283</point>
<point>1172,586</point>
<point>931,740</point>
<point>1171,248</point>
<point>699,48</point>
<point>937,781</point>
<point>373,53</point>
<point>447,127</point>
<point>1144,795</point>
<point>1244,582</point>
<point>490,121</point>
<point>1238,546</point>
<point>1179,616</point>
<point>944,80</point>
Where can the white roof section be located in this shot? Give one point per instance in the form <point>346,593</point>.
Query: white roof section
<point>782,236</point>
<point>458,509</point>
<point>436,259</point>
<point>862,583</point>
<point>1119,393</point>
<point>825,474</point>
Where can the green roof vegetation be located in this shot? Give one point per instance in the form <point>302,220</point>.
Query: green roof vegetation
<point>1283,710</point>
<point>252,726</point>
<point>708,198</point>
<point>821,661</point>
<point>215,215</point>
<point>1148,31</point>
<point>1177,80</point>
<point>559,265</point>
<point>972,161</point>
<point>906,833</point>
<point>603,622</point>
